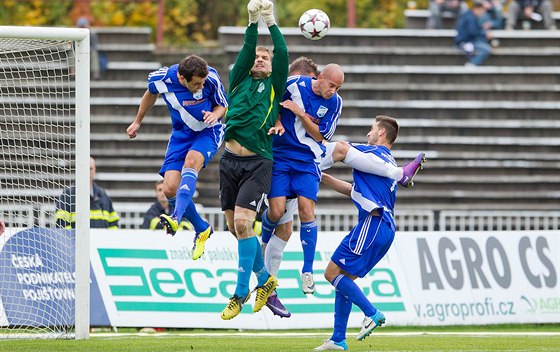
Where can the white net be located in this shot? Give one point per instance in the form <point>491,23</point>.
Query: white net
<point>37,152</point>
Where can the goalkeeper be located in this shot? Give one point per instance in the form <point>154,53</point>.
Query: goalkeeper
<point>257,83</point>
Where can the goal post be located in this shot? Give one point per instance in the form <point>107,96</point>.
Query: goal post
<point>44,96</point>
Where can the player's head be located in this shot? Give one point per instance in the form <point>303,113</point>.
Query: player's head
<point>384,131</point>
<point>262,67</point>
<point>303,66</point>
<point>159,192</point>
<point>92,169</point>
<point>193,71</point>
<point>329,81</point>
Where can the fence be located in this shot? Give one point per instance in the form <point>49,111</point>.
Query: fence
<point>27,215</point>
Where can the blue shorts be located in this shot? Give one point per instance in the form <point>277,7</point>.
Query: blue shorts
<point>364,246</point>
<point>181,142</point>
<point>291,179</point>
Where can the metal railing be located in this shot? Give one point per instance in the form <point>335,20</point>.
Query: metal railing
<point>28,215</point>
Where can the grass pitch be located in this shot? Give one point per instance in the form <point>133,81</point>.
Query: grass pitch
<point>486,338</point>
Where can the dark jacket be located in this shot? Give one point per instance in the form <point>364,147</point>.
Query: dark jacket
<point>101,216</point>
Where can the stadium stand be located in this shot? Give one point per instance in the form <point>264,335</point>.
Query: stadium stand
<point>417,18</point>
<point>491,134</point>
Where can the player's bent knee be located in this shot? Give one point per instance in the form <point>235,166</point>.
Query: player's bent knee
<point>243,228</point>
<point>274,215</point>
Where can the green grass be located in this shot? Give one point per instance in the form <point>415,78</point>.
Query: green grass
<point>455,338</point>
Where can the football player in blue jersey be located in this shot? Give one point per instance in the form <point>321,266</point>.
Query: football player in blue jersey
<point>369,240</point>
<point>309,115</point>
<point>196,99</point>
<point>273,249</point>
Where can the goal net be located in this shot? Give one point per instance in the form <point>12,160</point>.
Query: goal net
<point>44,149</point>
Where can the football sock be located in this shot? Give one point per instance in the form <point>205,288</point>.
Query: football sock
<point>308,237</point>
<point>185,191</point>
<point>268,227</point>
<point>246,248</point>
<point>342,309</point>
<point>273,254</point>
<point>258,265</point>
<point>194,217</point>
<point>348,288</point>
<point>172,202</point>
<point>372,164</point>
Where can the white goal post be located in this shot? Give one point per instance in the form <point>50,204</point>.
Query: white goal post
<point>44,147</point>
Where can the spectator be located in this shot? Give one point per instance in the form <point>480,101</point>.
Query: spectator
<point>494,16</point>
<point>439,8</point>
<point>2,227</point>
<point>98,60</point>
<point>101,213</point>
<point>161,206</point>
<point>471,37</point>
<point>535,10</point>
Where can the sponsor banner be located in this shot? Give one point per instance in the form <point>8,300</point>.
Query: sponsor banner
<point>437,278</point>
<point>479,277</point>
<point>37,277</point>
<point>143,278</point>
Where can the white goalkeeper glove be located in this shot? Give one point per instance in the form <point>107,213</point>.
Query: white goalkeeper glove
<point>267,12</point>
<point>254,9</point>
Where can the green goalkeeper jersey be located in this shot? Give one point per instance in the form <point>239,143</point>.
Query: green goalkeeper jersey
<point>254,103</point>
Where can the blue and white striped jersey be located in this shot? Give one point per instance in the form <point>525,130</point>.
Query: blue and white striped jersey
<point>186,107</point>
<point>295,143</point>
<point>371,191</point>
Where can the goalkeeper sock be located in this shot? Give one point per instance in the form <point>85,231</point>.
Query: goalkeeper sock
<point>246,249</point>
<point>258,266</point>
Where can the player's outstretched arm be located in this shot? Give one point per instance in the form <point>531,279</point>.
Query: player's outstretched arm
<point>254,8</point>
<point>267,12</point>
<point>336,184</point>
<point>148,100</point>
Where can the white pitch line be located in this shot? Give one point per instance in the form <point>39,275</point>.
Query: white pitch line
<point>314,334</point>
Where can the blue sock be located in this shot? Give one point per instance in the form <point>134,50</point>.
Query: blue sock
<point>342,309</point>
<point>268,227</point>
<point>246,248</point>
<point>308,237</point>
<point>172,202</point>
<point>185,192</point>
<point>194,217</point>
<point>258,266</point>
<point>348,288</point>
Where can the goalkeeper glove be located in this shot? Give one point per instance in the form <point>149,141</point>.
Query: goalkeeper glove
<point>267,12</point>
<point>254,9</point>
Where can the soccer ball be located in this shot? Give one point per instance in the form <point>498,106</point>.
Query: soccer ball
<point>314,24</point>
